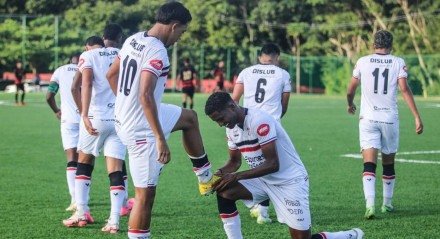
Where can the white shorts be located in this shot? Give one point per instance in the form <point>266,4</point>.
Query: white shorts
<point>291,201</point>
<point>69,135</point>
<point>379,135</point>
<point>106,139</point>
<point>144,167</point>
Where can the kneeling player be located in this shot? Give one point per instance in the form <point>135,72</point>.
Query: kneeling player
<point>276,173</point>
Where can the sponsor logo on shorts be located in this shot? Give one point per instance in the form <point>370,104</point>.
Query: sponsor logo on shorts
<point>295,211</point>
<point>263,129</point>
<point>156,64</point>
<point>111,105</point>
<point>292,203</point>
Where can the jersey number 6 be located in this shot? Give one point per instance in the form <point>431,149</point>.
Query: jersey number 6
<point>260,92</point>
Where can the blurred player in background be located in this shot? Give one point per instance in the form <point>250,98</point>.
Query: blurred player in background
<point>187,76</point>
<point>276,171</point>
<point>97,133</point>
<point>19,75</point>
<point>138,78</point>
<point>267,87</point>
<point>380,74</point>
<point>69,115</point>
<point>219,76</point>
<point>112,37</point>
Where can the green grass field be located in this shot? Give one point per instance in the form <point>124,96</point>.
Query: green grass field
<point>33,190</point>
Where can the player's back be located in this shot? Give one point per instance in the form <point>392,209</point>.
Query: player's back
<point>63,76</point>
<point>103,99</point>
<point>140,52</point>
<point>379,76</point>
<point>263,87</point>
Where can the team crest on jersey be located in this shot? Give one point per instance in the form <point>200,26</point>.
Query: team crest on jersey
<point>263,129</point>
<point>156,64</point>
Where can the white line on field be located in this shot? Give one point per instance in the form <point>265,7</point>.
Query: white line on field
<point>359,156</point>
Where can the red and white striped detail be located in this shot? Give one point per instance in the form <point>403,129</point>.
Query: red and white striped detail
<point>323,235</point>
<point>138,231</point>
<point>207,165</point>
<point>117,188</point>
<point>71,168</point>
<point>83,177</point>
<point>388,177</point>
<point>250,149</point>
<point>369,174</point>
<point>225,215</point>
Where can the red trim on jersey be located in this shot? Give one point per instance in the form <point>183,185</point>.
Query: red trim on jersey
<point>82,177</point>
<point>250,149</point>
<point>369,174</point>
<point>388,177</point>
<point>152,72</point>
<point>224,215</point>
<point>139,231</point>
<point>268,141</point>
<point>117,188</point>
<point>70,168</point>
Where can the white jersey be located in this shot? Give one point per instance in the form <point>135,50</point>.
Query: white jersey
<point>140,52</point>
<point>103,99</point>
<point>63,76</point>
<point>379,76</point>
<point>263,87</point>
<point>259,128</point>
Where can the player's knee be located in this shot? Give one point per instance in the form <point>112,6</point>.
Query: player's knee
<point>84,169</point>
<point>225,205</point>
<point>370,167</point>
<point>116,178</point>
<point>190,117</point>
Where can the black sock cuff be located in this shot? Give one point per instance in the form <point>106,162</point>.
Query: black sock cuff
<point>317,236</point>
<point>199,162</point>
<point>265,203</point>
<point>84,169</point>
<point>72,164</point>
<point>370,167</point>
<point>226,206</point>
<point>388,170</point>
<point>116,178</point>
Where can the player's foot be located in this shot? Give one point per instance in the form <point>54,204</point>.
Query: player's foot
<point>77,220</point>
<point>387,208</point>
<point>71,207</point>
<point>263,220</point>
<point>359,233</point>
<point>369,213</point>
<point>206,188</point>
<point>111,228</point>
<point>254,211</point>
<point>125,210</point>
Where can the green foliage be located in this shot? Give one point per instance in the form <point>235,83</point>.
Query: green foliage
<point>336,74</point>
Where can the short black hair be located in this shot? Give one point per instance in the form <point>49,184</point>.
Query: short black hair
<point>94,40</point>
<point>173,11</point>
<point>270,49</point>
<point>112,32</point>
<point>218,101</point>
<point>383,39</point>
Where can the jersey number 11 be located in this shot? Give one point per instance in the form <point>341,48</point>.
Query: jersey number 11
<point>376,80</point>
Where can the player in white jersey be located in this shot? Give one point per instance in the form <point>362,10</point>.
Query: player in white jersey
<point>97,133</point>
<point>69,115</point>
<point>380,74</point>
<point>276,171</point>
<point>138,79</point>
<point>267,87</point>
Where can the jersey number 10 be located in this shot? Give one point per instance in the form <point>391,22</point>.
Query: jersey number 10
<point>129,69</point>
<point>376,80</point>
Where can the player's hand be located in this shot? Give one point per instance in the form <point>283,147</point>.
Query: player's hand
<point>226,180</point>
<point>163,152</point>
<point>419,125</point>
<point>58,114</point>
<point>351,109</point>
<point>89,126</point>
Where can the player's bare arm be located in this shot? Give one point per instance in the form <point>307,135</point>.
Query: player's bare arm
<point>76,89</point>
<point>351,91</point>
<point>409,99</point>
<point>86,96</point>
<point>146,97</point>
<point>232,165</point>
<point>284,103</point>
<point>113,75</point>
<point>50,98</point>
<point>237,92</point>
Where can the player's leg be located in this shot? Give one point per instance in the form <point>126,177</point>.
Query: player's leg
<point>127,205</point>
<point>261,212</point>
<point>354,233</point>
<point>23,93</point>
<point>370,141</point>
<point>184,98</point>
<point>16,93</point>
<point>389,148</point>
<point>192,141</point>
<point>191,97</point>
<point>72,163</point>
<point>117,193</point>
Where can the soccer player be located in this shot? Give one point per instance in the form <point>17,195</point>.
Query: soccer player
<point>380,74</point>
<point>69,115</point>
<point>267,87</point>
<point>187,75</point>
<point>112,37</point>
<point>276,171</point>
<point>97,133</point>
<point>138,78</point>
<point>19,74</point>
<point>219,76</point>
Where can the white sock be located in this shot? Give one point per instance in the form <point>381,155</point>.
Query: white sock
<point>388,188</point>
<point>70,175</point>
<point>264,211</point>
<point>369,181</point>
<point>350,234</point>
<point>138,234</point>
<point>82,189</point>
<point>232,225</point>
<point>117,195</point>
